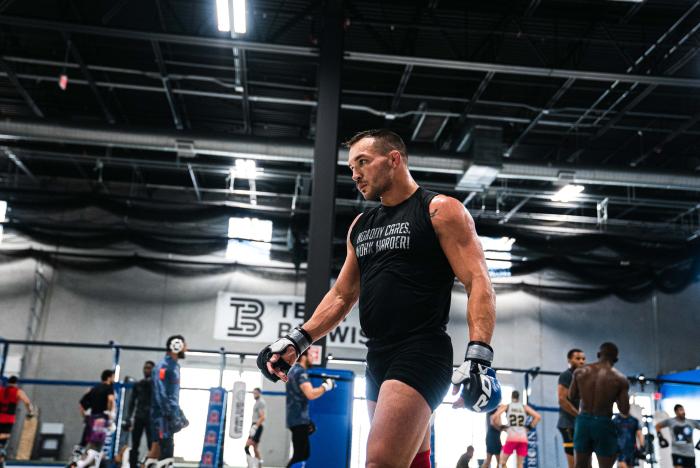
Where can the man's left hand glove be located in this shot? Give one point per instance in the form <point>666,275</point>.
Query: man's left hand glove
<point>481,391</point>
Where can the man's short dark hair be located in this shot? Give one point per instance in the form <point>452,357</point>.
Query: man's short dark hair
<point>385,141</point>
<point>12,380</point>
<point>677,407</point>
<point>571,352</point>
<point>107,373</point>
<point>515,395</point>
<point>257,389</point>
<point>609,351</point>
<point>149,363</point>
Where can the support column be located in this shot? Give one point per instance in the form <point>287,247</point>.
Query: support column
<point>322,218</point>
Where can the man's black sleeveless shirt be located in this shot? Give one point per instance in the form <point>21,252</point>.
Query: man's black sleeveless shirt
<point>405,278</point>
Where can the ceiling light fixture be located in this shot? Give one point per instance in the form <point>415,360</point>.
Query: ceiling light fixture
<point>568,193</point>
<point>231,11</point>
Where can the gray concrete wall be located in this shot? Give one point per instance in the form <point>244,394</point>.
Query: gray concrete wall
<point>138,307</point>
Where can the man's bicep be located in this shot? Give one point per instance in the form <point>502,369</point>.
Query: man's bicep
<point>455,230</point>
<point>562,391</point>
<point>307,389</point>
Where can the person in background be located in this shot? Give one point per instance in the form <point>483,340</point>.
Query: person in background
<point>568,408</point>
<point>466,457</point>
<point>299,392</point>
<point>256,429</point>
<point>10,396</point>
<point>682,443</point>
<point>628,432</point>
<point>137,418</point>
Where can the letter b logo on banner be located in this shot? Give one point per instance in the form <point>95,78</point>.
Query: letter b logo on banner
<point>246,317</point>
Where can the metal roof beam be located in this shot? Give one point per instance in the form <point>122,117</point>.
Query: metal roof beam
<point>12,76</point>
<point>88,76</point>
<point>355,56</point>
<point>166,85</point>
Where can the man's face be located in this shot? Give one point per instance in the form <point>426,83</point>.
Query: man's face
<point>181,354</point>
<point>147,370</point>
<point>577,360</point>
<point>470,451</point>
<point>680,413</point>
<point>372,172</point>
<point>256,394</point>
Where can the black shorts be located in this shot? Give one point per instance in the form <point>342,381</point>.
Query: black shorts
<point>6,428</point>
<point>421,362</point>
<point>257,435</point>
<point>567,435</point>
<point>493,442</point>
<point>680,460</point>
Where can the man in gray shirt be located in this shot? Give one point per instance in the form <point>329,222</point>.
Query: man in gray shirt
<point>682,450</point>
<point>568,409</point>
<point>256,428</point>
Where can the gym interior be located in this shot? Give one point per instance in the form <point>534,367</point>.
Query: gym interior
<point>177,167</point>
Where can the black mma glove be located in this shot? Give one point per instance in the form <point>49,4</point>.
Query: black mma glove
<point>481,391</point>
<point>697,446</point>
<point>298,339</point>
<point>663,443</point>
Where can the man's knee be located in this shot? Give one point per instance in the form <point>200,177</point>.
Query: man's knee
<point>383,458</point>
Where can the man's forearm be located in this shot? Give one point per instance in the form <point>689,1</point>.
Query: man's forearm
<point>329,313</point>
<point>568,407</point>
<point>481,311</point>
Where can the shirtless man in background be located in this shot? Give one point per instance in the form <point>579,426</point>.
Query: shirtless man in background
<point>598,386</point>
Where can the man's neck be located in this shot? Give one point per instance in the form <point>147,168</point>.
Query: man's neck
<point>400,191</point>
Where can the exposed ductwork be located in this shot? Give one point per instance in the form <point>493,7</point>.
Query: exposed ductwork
<point>302,152</point>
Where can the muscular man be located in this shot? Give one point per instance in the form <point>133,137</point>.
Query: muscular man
<point>598,386</point>
<point>138,413</point>
<point>10,396</point>
<point>256,428</point>
<point>682,442</point>
<point>299,392</point>
<point>629,433</point>
<point>516,429</point>
<point>402,258</point>
<point>166,416</point>
<point>568,409</point>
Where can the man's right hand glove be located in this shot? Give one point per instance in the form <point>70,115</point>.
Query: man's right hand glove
<point>282,354</point>
<point>328,385</point>
<point>481,391</point>
<point>126,425</point>
<point>663,443</point>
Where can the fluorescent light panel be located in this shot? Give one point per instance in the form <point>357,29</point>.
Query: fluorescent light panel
<point>239,20</point>
<point>250,228</point>
<point>245,169</point>
<point>227,10</point>
<point>568,193</point>
<point>3,210</point>
<point>222,15</point>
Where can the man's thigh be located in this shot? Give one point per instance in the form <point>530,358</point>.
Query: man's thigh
<point>401,417</point>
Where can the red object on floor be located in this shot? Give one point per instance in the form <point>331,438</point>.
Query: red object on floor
<point>422,460</point>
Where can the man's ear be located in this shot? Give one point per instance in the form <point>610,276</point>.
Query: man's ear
<point>395,158</point>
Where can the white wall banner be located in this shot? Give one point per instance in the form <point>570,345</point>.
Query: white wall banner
<point>262,318</point>
<point>237,410</point>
